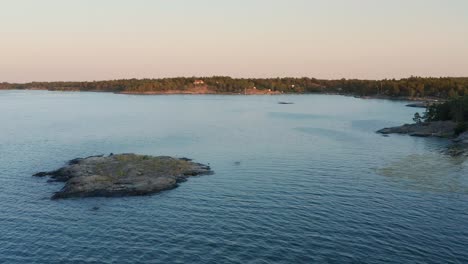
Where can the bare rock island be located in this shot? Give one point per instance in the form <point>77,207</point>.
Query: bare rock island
<point>123,175</point>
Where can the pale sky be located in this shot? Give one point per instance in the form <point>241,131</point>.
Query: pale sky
<point>53,40</point>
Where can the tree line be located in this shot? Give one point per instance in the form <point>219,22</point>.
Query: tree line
<point>455,109</point>
<point>445,87</point>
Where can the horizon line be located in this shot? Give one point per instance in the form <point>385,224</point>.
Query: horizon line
<point>241,78</point>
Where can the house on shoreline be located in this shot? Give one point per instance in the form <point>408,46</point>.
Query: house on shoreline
<point>198,82</point>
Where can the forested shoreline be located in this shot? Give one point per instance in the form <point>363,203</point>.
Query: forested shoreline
<point>413,87</point>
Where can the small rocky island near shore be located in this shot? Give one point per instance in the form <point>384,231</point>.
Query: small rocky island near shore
<point>122,175</point>
<point>423,129</point>
<point>443,129</point>
<point>448,119</point>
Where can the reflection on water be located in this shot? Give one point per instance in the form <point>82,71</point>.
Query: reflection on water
<point>430,172</point>
<point>286,115</point>
<point>329,133</point>
<point>372,125</point>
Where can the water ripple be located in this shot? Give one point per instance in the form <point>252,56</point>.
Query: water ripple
<point>314,185</point>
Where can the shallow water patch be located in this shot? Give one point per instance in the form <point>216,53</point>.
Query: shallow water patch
<point>430,172</point>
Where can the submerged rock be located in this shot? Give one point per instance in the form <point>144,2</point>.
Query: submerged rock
<point>456,150</point>
<point>123,175</point>
<point>426,129</point>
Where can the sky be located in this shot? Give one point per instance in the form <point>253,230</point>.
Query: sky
<point>85,40</point>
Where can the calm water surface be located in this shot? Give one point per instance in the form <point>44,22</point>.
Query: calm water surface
<point>303,183</point>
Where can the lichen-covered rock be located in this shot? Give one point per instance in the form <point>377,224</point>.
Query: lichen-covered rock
<point>123,175</point>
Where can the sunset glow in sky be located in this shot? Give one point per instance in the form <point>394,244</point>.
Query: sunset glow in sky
<point>50,40</point>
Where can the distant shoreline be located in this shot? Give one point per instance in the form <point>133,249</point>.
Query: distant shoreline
<point>413,88</point>
<point>200,91</point>
<point>260,92</point>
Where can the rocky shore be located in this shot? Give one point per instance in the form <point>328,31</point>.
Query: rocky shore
<point>424,129</point>
<point>462,138</point>
<point>444,129</point>
<point>425,103</point>
<point>419,105</point>
<point>122,175</point>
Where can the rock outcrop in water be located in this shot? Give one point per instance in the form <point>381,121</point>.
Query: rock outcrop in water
<point>461,145</point>
<point>462,138</point>
<point>123,175</point>
<point>425,129</point>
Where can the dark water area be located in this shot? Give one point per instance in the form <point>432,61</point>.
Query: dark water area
<point>309,182</point>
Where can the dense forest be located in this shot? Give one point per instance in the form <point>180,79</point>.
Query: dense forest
<point>409,87</point>
<point>455,109</point>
